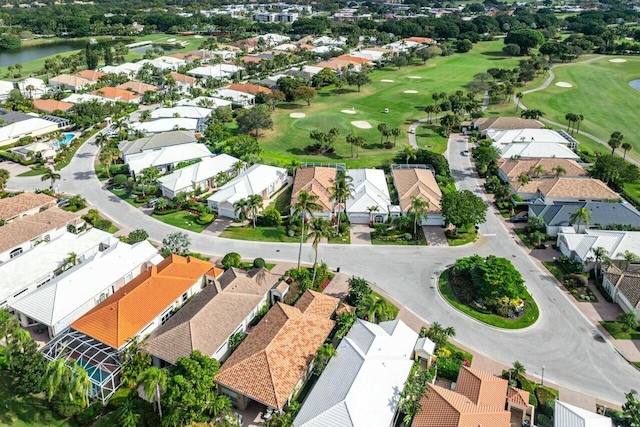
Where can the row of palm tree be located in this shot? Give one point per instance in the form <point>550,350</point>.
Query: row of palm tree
<point>249,207</point>
<point>615,141</point>
<point>574,121</point>
<point>386,132</point>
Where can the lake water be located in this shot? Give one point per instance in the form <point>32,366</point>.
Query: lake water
<point>635,84</point>
<point>26,54</point>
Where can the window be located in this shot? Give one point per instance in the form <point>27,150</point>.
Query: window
<point>128,277</point>
<point>14,253</point>
<point>103,296</point>
<point>378,219</point>
<point>185,296</point>
<point>47,238</point>
<point>21,292</point>
<point>166,315</point>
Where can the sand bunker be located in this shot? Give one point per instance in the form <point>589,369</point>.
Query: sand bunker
<point>564,84</point>
<point>617,60</point>
<point>348,111</point>
<point>410,91</point>
<point>387,81</point>
<point>361,124</point>
<point>414,77</point>
<point>297,115</point>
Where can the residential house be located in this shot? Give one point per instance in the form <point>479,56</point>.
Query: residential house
<point>184,111</point>
<point>355,60</point>
<point>623,286</point>
<point>92,75</point>
<point>217,72</point>
<point>566,415</point>
<point>51,105</point>
<point>137,87</point>
<point>603,215</point>
<point>258,179</point>
<point>169,124</point>
<point>329,41</point>
<point>224,308</point>
<point>205,102</point>
<point>24,204</point>
<point>418,181</point>
<point>512,169</point>
<point>317,181</point>
<point>563,189</point>
<point>338,64</point>
<point>19,276</point>
<point>166,158</point>
<point>96,339</point>
<point>183,82</point>
<point>5,88</point>
<point>23,234</point>
<point>76,98</point>
<point>69,82</point>
<point>237,98</point>
<point>32,88</point>
<point>155,141</point>
<point>501,138</point>
<point>201,175</point>
<point>58,303</point>
<point>275,359</point>
<point>373,54</point>
<point>164,63</point>
<point>479,399</point>
<point>34,150</point>
<point>420,40</point>
<point>33,126</point>
<point>524,150</point>
<point>249,88</point>
<point>117,94</point>
<point>370,201</point>
<point>361,386</point>
<point>485,124</point>
<point>129,69</point>
<point>580,247</point>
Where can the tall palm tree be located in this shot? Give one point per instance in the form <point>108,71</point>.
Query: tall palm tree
<point>615,140</point>
<point>532,114</point>
<point>154,382</point>
<point>410,153</point>
<point>238,167</point>
<point>56,378</point>
<point>599,254</point>
<point>578,118</point>
<point>539,170</point>
<point>101,140</point>
<point>519,97</point>
<point>107,157</point>
<point>320,228</point>
<point>241,209</point>
<point>419,208</point>
<point>518,372</point>
<point>145,116</point>
<point>306,204</point>
<point>80,386</point>
<point>254,203</point>
<point>626,147</point>
<point>50,175</point>
<point>383,128</point>
<point>341,190</point>
<point>580,215</point>
<point>627,258</point>
<point>396,133</point>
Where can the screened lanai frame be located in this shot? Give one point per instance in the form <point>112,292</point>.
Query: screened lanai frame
<point>101,361</point>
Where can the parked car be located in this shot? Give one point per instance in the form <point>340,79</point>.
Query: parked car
<point>465,153</point>
<point>62,202</point>
<point>520,218</point>
<point>152,203</point>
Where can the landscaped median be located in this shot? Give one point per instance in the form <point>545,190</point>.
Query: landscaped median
<point>498,300</point>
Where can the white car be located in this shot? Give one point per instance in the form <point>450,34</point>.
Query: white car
<point>465,153</point>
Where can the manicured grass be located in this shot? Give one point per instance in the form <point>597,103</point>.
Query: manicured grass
<point>27,411</point>
<point>462,238</point>
<point>421,242</point>
<point>523,236</point>
<point>282,200</point>
<point>428,136</point>
<point>341,240</point>
<point>553,269</point>
<point>182,219</point>
<point>455,349</point>
<point>531,312</point>
<point>615,329</point>
<point>290,136</point>
<point>129,198</point>
<point>260,234</point>
<point>614,102</point>
<point>636,364</point>
<point>34,172</point>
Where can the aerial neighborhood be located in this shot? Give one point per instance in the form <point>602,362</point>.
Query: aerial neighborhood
<point>327,214</point>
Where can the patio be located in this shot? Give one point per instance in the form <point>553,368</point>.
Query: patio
<point>252,415</point>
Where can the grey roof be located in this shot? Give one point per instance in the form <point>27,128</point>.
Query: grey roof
<point>157,140</point>
<point>9,117</point>
<point>602,213</point>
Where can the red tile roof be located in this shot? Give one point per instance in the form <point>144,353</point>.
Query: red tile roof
<point>51,105</point>
<point>115,93</point>
<point>249,88</point>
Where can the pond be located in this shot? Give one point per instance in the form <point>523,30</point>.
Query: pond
<point>635,84</point>
<point>26,54</point>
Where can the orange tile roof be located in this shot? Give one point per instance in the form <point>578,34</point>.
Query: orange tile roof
<point>567,188</point>
<point>51,105</point>
<point>315,181</point>
<point>483,388</point>
<point>419,183</point>
<point>91,75</point>
<point>421,40</point>
<point>249,88</point>
<point>270,362</point>
<point>137,87</point>
<point>253,59</point>
<point>183,78</point>
<point>517,396</point>
<point>513,168</point>
<point>23,202</point>
<point>115,93</point>
<point>126,312</point>
<point>354,59</point>
<point>334,64</point>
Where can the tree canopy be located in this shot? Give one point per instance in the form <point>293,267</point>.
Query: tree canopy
<point>463,208</point>
<point>492,277</point>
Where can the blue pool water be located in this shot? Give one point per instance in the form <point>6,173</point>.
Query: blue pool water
<point>96,374</point>
<point>66,139</point>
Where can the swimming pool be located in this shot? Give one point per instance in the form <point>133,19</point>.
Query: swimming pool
<point>66,139</point>
<point>96,374</point>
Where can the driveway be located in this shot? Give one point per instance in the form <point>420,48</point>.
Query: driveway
<point>435,235</point>
<point>360,234</point>
<point>218,226</point>
<point>14,168</point>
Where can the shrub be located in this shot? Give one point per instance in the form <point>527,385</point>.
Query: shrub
<point>64,408</point>
<point>544,394</point>
<point>270,217</point>
<point>408,236</point>
<point>119,180</point>
<point>548,408</point>
<point>258,263</point>
<point>205,219</point>
<point>533,400</point>
<point>102,224</point>
<point>544,421</point>
<point>449,368</point>
<point>89,414</point>
<point>232,259</point>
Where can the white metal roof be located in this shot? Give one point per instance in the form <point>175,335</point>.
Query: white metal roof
<point>218,71</point>
<point>167,156</point>
<point>25,127</point>
<point>5,87</point>
<point>217,102</point>
<point>187,177</point>
<point>235,95</point>
<point>252,181</point>
<point>166,125</point>
<point>361,385</point>
<point>36,265</point>
<point>525,135</point>
<point>61,299</point>
<point>615,242</point>
<point>567,415</point>
<point>183,111</point>
<point>536,150</point>
<point>76,98</point>
<point>370,189</point>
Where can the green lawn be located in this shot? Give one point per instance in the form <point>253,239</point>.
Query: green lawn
<point>429,137</point>
<point>531,312</point>
<point>182,219</point>
<point>615,329</point>
<point>27,411</point>
<point>611,104</point>
<point>260,234</point>
<point>553,269</point>
<point>462,238</point>
<point>122,193</point>
<point>282,200</point>
<point>290,136</point>
<point>636,364</point>
<point>421,242</point>
<point>34,172</point>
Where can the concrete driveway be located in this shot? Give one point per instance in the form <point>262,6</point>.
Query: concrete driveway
<point>218,226</point>
<point>360,234</point>
<point>14,168</point>
<point>435,235</point>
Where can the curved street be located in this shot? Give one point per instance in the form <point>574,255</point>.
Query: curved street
<point>562,340</point>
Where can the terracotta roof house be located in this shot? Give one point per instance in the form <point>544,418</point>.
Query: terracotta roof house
<point>249,88</point>
<point>183,82</point>
<point>23,204</point>
<point>225,307</point>
<point>250,59</point>
<point>511,169</point>
<point>564,189</point>
<point>483,124</point>
<point>420,40</point>
<point>274,360</point>
<point>91,75</point>
<point>419,181</point>
<point>117,94</point>
<point>51,105</point>
<point>316,181</point>
<point>623,286</point>
<point>480,398</point>
<point>137,87</point>
<point>337,64</point>
<point>354,59</point>
<point>69,82</point>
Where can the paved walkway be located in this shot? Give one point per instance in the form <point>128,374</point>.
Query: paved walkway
<point>360,234</point>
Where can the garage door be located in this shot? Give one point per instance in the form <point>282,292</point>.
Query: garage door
<point>359,218</point>
<point>433,220</point>
<point>228,213</point>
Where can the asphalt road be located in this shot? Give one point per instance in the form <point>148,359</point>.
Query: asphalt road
<point>562,340</point>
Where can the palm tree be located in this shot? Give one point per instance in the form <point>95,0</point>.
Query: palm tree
<point>410,153</point>
<point>532,114</point>
<point>373,308</point>
<point>626,147</point>
<point>519,97</point>
<point>371,210</point>
<point>559,170</point>
<point>306,204</point>
<point>145,116</point>
<point>101,140</point>
<point>254,203</point>
<point>518,372</point>
<point>419,208</point>
<point>599,254</point>
<point>320,229</point>
<point>238,167</point>
<point>627,258</point>
<point>578,118</point>
<point>341,190</point>
<point>107,156</point>
<point>570,118</point>
<point>50,175</point>
<point>80,385</point>
<point>71,260</point>
<point>523,179</point>
<point>128,414</point>
<point>56,377</point>
<point>395,132</point>
<point>241,209</point>
<point>615,140</point>
<point>383,128</point>
<point>429,109</point>
<point>219,404</point>
<point>629,321</point>
<point>154,382</point>
<point>538,170</point>
<point>580,215</point>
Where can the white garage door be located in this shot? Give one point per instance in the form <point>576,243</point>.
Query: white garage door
<point>359,218</point>
<point>433,220</point>
<point>228,213</point>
